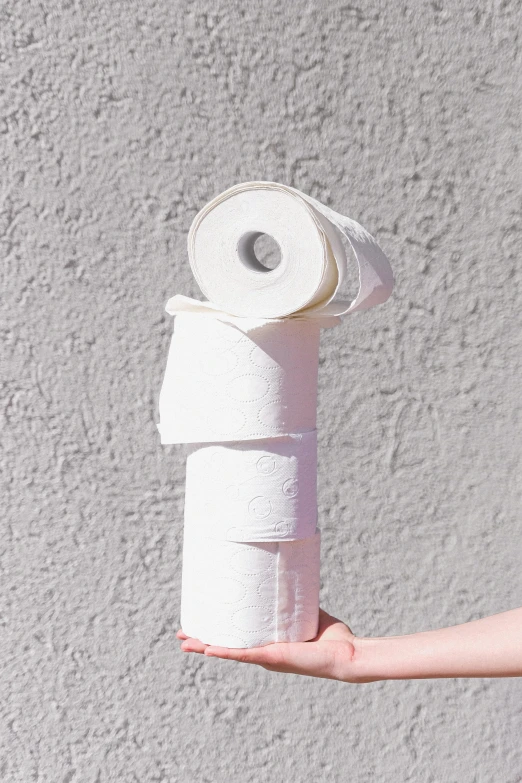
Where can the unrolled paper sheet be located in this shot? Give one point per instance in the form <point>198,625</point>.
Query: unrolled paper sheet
<point>224,383</point>
<point>248,595</point>
<point>306,283</point>
<point>254,490</point>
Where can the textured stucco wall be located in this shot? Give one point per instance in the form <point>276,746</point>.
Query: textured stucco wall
<point>118,121</point>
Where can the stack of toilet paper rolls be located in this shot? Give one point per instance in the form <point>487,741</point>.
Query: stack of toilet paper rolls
<point>240,388</point>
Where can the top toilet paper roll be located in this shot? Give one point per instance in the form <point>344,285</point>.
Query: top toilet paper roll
<point>313,264</point>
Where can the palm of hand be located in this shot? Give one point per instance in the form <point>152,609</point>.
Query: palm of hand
<point>330,654</point>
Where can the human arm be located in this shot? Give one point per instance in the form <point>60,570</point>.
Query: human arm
<point>489,647</point>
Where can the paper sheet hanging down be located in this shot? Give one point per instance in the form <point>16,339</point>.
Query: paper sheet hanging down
<point>313,264</point>
<point>255,490</point>
<point>249,595</point>
<point>222,383</point>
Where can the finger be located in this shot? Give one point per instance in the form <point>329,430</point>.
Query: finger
<point>306,658</point>
<point>181,634</point>
<point>193,645</point>
<point>257,655</point>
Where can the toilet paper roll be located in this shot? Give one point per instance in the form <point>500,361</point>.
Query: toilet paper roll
<point>264,491</point>
<point>313,265</point>
<point>224,383</point>
<point>248,595</point>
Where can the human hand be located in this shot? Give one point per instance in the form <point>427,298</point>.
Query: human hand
<point>489,647</point>
<point>331,654</point>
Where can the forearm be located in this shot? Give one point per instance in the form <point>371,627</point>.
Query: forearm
<point>490,647</point>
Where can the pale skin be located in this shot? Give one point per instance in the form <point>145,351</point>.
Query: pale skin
<point>489,647</point>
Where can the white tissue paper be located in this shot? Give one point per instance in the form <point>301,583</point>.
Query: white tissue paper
<point>306,283</point>
<point>249,595</point>
<point>241,383</point>
<point>223,383</point>
<point>253,491</point>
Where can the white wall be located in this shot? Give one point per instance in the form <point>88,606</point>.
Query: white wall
<point>118,122</point>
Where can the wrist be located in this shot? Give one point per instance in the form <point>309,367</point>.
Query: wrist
<point>362,661</point>
<point>376,658</point>
<point>368,660</point>
<point>387,658</point>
